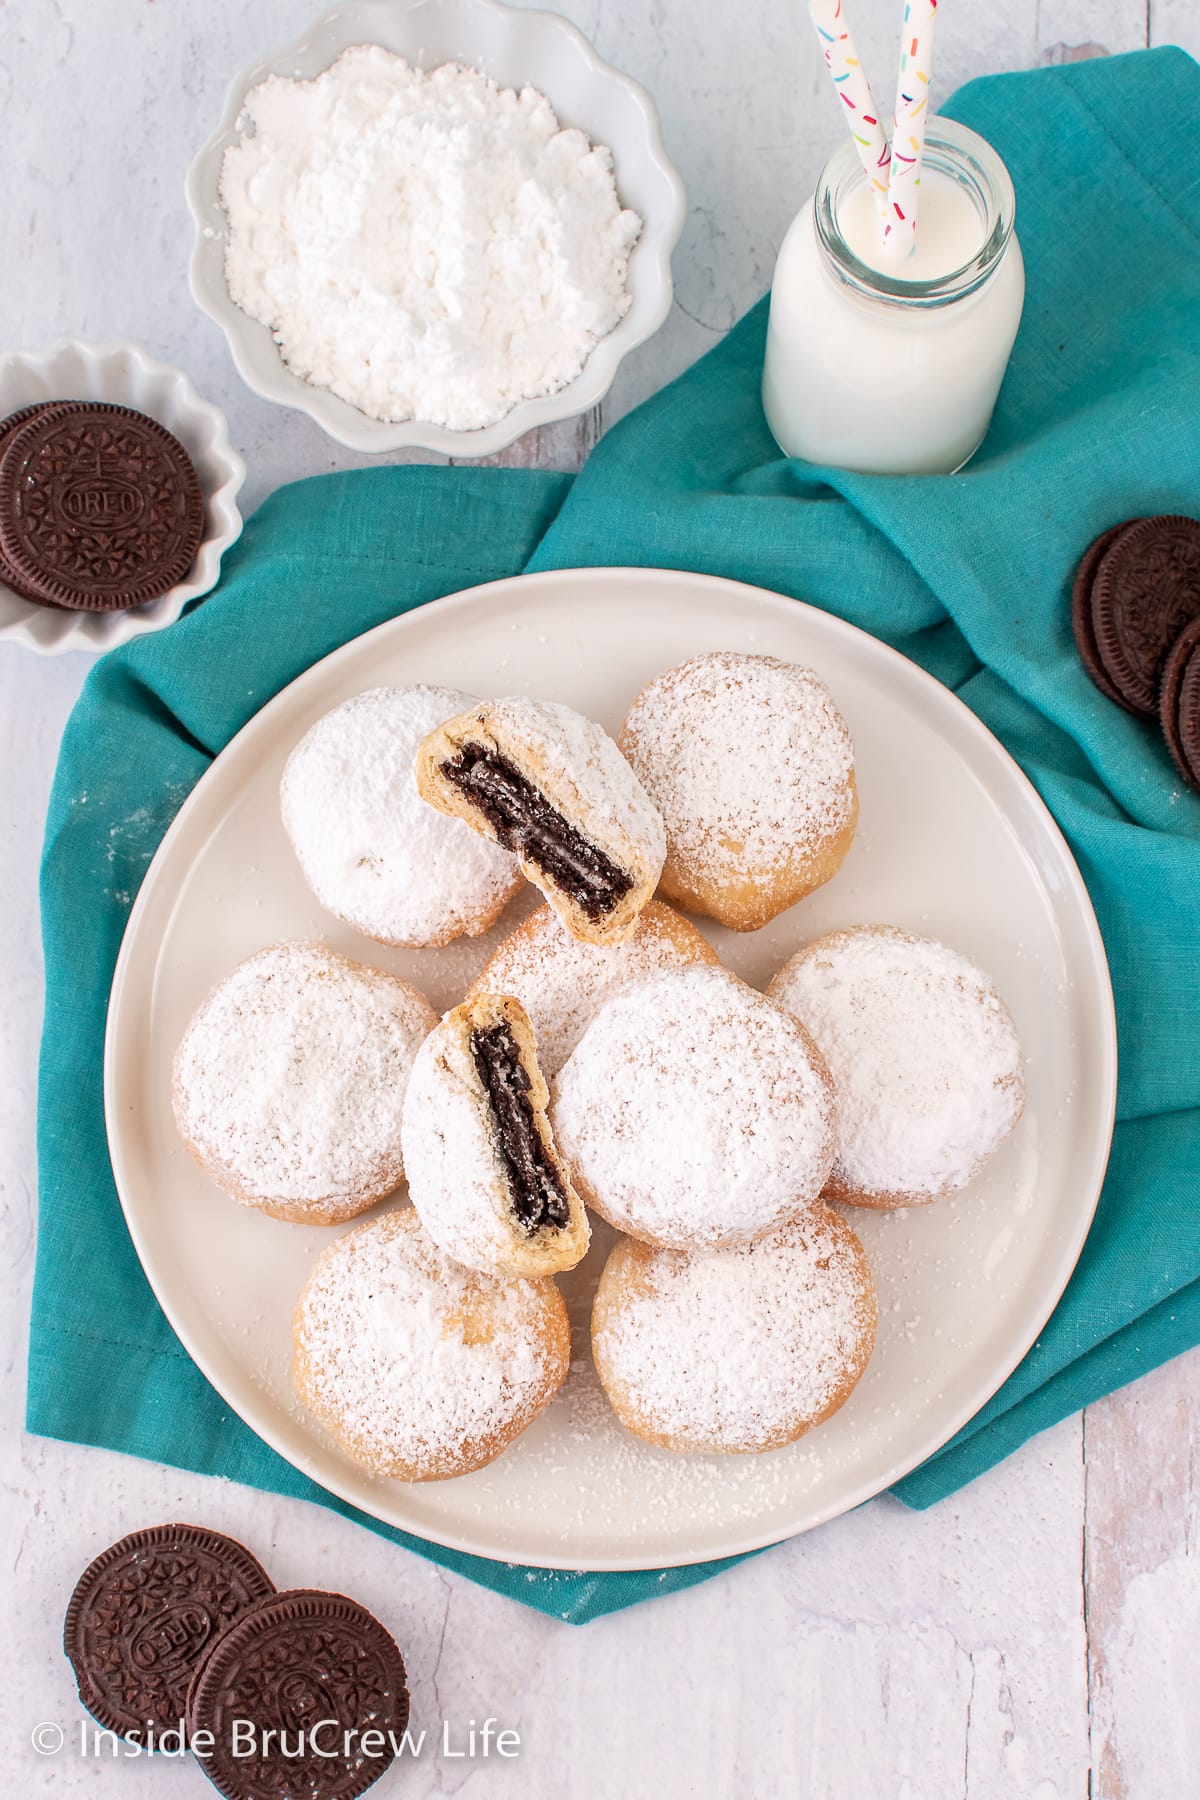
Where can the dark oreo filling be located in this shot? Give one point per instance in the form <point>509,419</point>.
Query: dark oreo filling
<point>534,1189</point>
<point>524,821</point>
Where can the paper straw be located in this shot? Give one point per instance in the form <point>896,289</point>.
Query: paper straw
<point>908,131</point>
<point>851,85</point>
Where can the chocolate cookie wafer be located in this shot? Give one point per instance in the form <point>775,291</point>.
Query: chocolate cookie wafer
<point>146,1612</point>
<point>319,1688</point>
<point>1189,718</point>
<point>8,430</point>
<point>1146,589</point>
<point>1081,611</point>
<point>1185,651</point>
<point>100,507</point>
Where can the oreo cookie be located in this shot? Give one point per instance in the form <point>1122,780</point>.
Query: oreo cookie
<point>1081,611</point>
<point>305,1694</point>
<point>100,507</point>
<point>1146,589</point>
<point>146,1613</point>
<point>1179,703</point>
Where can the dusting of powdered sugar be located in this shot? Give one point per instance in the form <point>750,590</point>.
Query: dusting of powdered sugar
<point>414,1360</point>
<point>425,245</point>
<point>738,1349</point>
<point>591,780</point>
<point>562,982</point>
<point>371,850</point>
<point>694,1113</point>
<point>289,1081</point>
<point>923,1052</point>
<point>748,760</point>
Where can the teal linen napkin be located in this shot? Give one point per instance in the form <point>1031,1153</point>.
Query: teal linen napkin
<point>1099,419</point>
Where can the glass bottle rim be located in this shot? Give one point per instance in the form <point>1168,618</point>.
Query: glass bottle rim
<point>952,150</point>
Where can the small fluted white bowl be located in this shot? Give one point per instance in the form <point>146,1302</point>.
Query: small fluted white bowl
<point>74,370</point>
<point>517,47</point>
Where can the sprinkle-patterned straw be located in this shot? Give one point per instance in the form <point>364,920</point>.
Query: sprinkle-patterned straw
<point>908,131</point>
<point>851,85</point>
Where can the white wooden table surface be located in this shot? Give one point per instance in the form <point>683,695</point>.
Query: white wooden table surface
<point>1037,1637</point>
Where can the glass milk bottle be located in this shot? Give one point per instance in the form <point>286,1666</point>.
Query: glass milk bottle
<point>893,367</point>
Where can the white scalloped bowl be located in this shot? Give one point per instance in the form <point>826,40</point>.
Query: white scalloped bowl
<point>516,47</point>
<point>74,370</point>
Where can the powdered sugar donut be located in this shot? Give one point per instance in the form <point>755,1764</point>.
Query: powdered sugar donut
<point>924,1056</point>
<point>372,852</point>
<point>289,1082</point>
<point>552,786</point>
<point>694,1113</point>
<point>751,765</point>
<point>735,1350</point>
<point>483,1170</point>
<point>419,1368</point>
<point>562,983</point>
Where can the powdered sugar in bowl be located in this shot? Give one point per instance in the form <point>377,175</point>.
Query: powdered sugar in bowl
<point>477,395</point>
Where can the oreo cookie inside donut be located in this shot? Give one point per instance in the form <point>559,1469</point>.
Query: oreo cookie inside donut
<point>484,1173</point>
<point>536,1193</point>
<point>524,821</point>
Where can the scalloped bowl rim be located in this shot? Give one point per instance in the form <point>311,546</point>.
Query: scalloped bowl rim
<point>249,341</point>
<point>98,632</point>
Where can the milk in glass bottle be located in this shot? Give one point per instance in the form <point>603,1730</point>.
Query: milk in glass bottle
<point>892,366</point>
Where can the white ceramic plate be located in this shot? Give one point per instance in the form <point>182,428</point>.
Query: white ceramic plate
<point>953,842</point>
<point>517,46</point>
